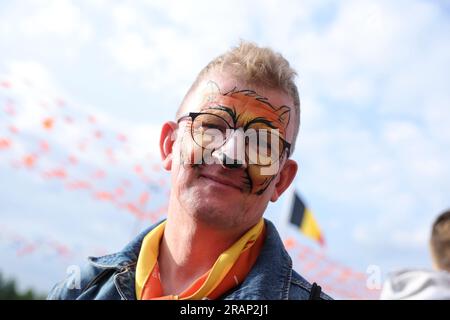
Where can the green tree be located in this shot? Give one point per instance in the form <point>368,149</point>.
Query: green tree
<point>9,291</point>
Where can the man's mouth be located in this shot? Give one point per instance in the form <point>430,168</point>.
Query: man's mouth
<point>222,181</point>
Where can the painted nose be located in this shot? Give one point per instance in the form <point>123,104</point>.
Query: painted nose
<point>232,154</point>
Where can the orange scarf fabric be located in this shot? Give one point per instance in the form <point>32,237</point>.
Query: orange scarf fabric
<point>230,269</point>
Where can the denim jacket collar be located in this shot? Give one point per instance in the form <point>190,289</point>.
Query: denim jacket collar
<point>269,278</point>
<point>271,275</point>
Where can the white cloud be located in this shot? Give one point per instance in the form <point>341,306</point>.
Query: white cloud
<point>55,17</point>
<point>131,51</point>
<point>25,73</point>
<point>399,132</point>
<point>60,18</point>
<point>49,29</point>
<point>124,16</point>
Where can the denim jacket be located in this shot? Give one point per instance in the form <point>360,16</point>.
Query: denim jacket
<point>112,277</point>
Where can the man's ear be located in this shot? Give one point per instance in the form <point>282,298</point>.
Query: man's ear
<point>166,142</point>
<point>287,175</point>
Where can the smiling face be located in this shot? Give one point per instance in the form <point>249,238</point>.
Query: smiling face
<point>248,112</point>
<point>222,195</point>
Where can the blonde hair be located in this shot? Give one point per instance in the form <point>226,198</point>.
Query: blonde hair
<point>440,241</point>
<point>258,66</point>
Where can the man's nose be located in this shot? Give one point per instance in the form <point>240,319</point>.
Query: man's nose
<point>232,154</point>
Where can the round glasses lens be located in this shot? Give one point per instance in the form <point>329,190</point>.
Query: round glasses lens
<point>209,131</point>
<point>264,147</point>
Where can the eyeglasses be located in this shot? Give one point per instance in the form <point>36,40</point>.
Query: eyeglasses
<point>263,146</point>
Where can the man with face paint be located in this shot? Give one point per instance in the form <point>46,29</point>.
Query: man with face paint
<point>228,153</point>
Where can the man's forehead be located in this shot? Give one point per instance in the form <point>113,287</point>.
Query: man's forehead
<point>239,103</point>
<point>221,84</point>
<point>259,102</point>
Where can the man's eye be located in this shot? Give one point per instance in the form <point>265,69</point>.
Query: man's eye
<point>207,126</point>
<point>264,139</point>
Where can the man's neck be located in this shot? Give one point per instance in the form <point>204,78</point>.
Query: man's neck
<point>188,249</point>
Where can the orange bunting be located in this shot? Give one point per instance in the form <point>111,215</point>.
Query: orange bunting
<point>92,119</point>
<point>82,146</point>
<point>4,143</point>
<point>138,169</point>
<point>56,173</point>
<point>310,265</point>
<point>126,183</point>
<point>78,185</point>
<point>326,272</point>
<point>13,129</point>
<point>121,137</point>
<point>289,243</point>
<point>143,199</point>
<point>48,123</point>
<point>62,250</point>
<point>359,275</point>
<point>44,146</point>
<point>345,275</point>
<point>99,174</point>
<point>73,160</point>
<point>5,84</point>
<point>119,192</point>
<point>104,195</point>
<point>135,210</point>
<point>9,108</point>
<point>110,154</point>
<point>98,134</point>
<point>26,250</point>
<point>29,160</point>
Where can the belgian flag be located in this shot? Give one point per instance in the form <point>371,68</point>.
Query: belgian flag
<point>303,218</point>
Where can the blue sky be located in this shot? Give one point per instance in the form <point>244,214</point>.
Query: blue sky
<point>374,143</point>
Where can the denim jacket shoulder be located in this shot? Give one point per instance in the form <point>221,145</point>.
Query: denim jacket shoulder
<point>112,277</point>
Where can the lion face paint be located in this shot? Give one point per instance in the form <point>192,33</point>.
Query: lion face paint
<point>242,111</point>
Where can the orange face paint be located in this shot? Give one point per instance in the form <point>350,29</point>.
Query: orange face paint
<point>247,110</point>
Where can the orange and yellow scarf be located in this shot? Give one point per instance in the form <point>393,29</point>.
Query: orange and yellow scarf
<point>229,270</point>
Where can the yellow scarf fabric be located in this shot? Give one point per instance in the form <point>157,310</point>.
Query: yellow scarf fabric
<point>148,257</point>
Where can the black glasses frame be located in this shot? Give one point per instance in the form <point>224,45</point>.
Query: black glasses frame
<point>194,115</point>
